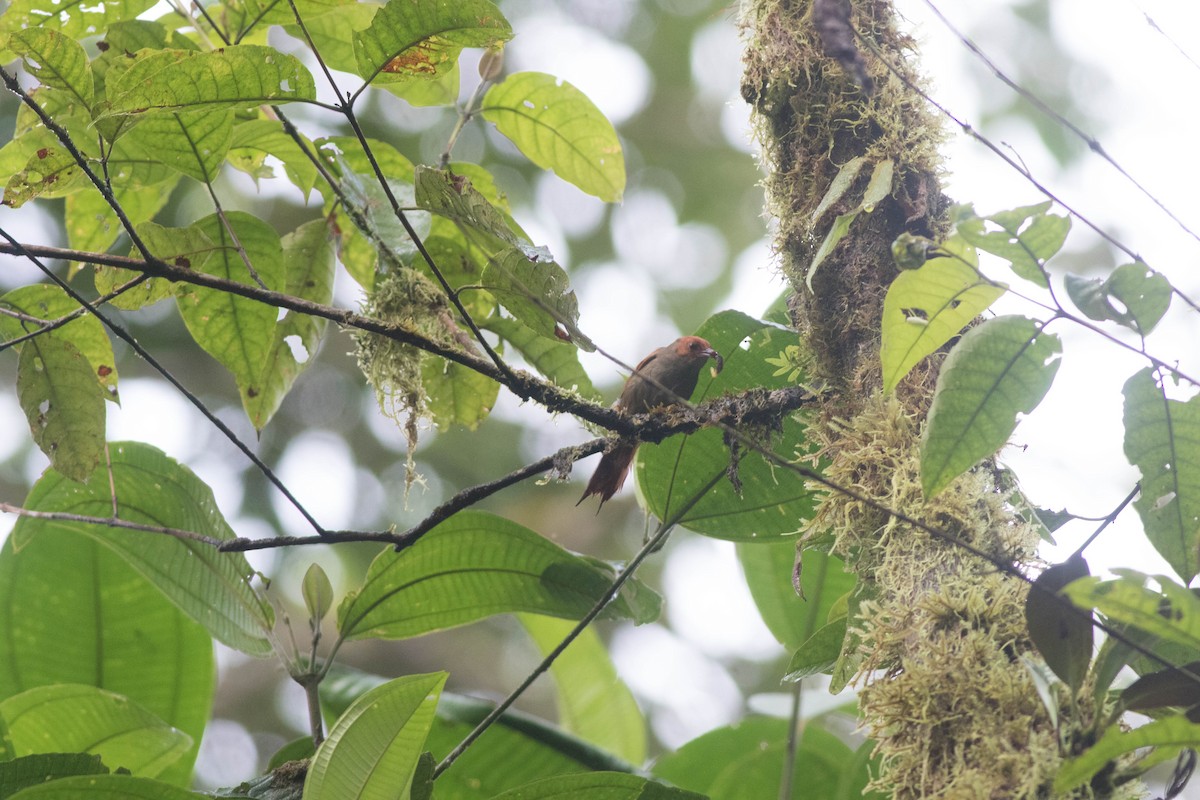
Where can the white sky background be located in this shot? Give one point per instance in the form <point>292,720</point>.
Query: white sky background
<point>1074,456</point>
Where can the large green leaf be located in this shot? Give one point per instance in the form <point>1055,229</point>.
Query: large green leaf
<point>372,750</point>
<point>792,618</point>
<point>458,395</point>
<point>33,770</point>
<point>64,405</point>
<point>593,702</point>
<point>308,256</point>
<point>597,786</point>
<point>238,76</point>
<point>998,370</point>
<point>50,172</point>
<point>746,760</point>
<point>925,308</point>
<point>409,40</point>
<point>558,128</point>
<point>690,472</point>
<point>253,141</point>
<point>538,293</point>
<point>475,565</point>
<point>235,330</point>
<point>74,612</point>
<point>72,718</point>
<point>107,787</point>
<point>1162,438</point>
<point>211,587</point>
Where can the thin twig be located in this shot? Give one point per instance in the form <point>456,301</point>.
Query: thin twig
<point>111,522</point>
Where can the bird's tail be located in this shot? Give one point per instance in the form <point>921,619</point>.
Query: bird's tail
<point>611,473</point>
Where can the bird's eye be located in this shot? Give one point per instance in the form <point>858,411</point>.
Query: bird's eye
<point>695,345</point>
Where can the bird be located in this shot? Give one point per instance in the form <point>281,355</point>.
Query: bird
<point>672,372</point>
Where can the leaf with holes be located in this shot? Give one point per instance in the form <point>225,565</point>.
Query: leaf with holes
<point>64,405</point>
<point>1162,439</point>
<point>997,371</point>
<point>1025,237</point>
<point>927,307</point>
<point>407,40</point>
<point>57,61</point>
<point>233,77</point>
<point>1143,297</point>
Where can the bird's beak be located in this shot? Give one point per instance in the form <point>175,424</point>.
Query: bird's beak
<point>715,356</point>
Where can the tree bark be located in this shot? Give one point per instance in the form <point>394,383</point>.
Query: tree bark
<point>937,635</point>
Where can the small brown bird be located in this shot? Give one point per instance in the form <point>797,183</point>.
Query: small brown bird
<point>674,370</point>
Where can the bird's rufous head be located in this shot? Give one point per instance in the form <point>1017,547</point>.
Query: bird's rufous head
<point>693,347</point>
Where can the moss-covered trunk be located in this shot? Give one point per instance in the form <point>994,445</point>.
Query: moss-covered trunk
<point>937,640</point>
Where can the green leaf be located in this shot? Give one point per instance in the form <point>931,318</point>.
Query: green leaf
<point>555,359</point>
<point>790,617</point>
<point>1000,369</point>
<point>1172,732</point>
<point>593,702</point>
<point>73,18</point>
<point>50,172</point>
<point>211,587</point>
<point>92,225</point>
<point>536,292</point>
<point>310,265</point>
<point>235,330</point>
<point>690,472</point>
<point>927,307</point>
<point>237,76</point>
<point>333,34</point>
<point>1143,296</point>
<point>837,232</point>
<point>1162,439</point>
<point>71,718</point>
<point>183,247</point>
<point>746,760</point>
<point>525,278</point>
<point>254,140</point>
<point>597,786</point>
<point>17,774</point>
<point>818,653</point>
<point>106,787</point>
<point>558,128</point>
<point>64,405</point>
<point>1172,615</point>
<point>317,592</point>
<point>458,395</point>
<point>838,187</point>
<point>1026,237</point>
<point>75,612</point>
<point>55,60</point>
<point>86,333</point>
<point>372,750</point>
<point>475,565</point>
<point>193,142</point>
<point>422,40</point>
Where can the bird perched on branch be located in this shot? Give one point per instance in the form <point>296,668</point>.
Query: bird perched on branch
<point>663,378</point>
